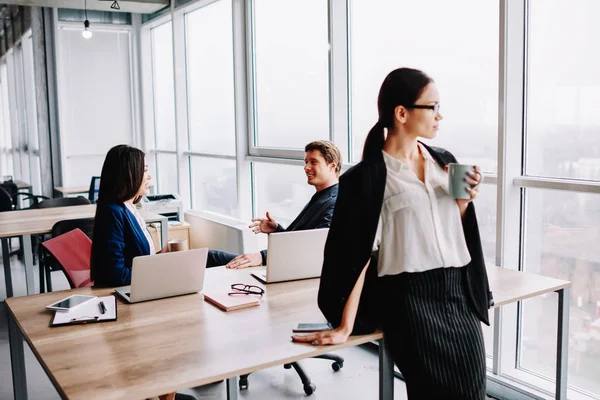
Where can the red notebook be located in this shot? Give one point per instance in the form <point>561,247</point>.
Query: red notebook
<point>231,303</point>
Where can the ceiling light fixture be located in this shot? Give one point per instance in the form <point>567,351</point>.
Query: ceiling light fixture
<point>86,25</point>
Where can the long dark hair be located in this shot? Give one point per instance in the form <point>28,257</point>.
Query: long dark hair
<point>402,87</point>
<point>122,174</point>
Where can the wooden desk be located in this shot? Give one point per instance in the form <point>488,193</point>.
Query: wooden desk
<point>24,223</point>
<point>165,345</point>
<point>67,190</point>
<point>510,286</point>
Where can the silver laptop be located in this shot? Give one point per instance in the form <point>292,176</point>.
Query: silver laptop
<point>294,255</point>
<point>165,275</point>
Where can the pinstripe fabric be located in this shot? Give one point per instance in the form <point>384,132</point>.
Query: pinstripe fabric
<point>435,338</point>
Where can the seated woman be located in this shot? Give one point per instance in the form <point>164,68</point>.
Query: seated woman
<point>120,232</point>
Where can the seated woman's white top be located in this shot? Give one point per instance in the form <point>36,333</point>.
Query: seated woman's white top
<point>420,226</point>
<point>143,227</point>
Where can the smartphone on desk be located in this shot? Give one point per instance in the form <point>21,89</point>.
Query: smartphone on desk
<point>323,326</point>
<point>70,302</point>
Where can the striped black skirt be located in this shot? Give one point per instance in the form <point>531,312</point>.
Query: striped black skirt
<point>434,337</point>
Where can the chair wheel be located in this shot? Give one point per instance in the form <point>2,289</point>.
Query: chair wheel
<point>337,366</point>
<point>287,366</point>
<point>309,389</point>
<point>243,383</point>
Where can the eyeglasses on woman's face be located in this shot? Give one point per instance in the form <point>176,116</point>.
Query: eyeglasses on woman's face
<point>435,107</point>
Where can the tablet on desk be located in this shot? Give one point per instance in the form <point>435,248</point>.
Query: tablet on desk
<point>70,302</point>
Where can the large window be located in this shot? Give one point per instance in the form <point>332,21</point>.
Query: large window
<point>563,124</point>
<point>209,54</point>
<point>214,186</point>
<point>164,87</point>
<point>291,72</point>
<point>561,227</point>
<point>6,126</point>
<point>443,39</point>
<point>31,107</point>
<point>211,107</point>
<point>562,231</point>
<point>280,189</point>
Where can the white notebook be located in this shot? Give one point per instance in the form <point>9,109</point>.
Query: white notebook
<point>88,312</point>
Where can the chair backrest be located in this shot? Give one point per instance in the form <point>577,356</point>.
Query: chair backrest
<point>6,203</point>
<point>94,188</point>
<point>62,202</point>
<point>72,251</point>
<point>10,187</point>
<point>86,225</point>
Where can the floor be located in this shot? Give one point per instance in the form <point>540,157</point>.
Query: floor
<point>357,380</point>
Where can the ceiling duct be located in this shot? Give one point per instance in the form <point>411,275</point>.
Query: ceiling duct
<point>128,6</point>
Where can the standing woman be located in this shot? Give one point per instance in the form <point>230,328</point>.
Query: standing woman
<point>403,254</point>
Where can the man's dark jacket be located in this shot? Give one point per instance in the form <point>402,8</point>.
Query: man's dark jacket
<point>350,241</point>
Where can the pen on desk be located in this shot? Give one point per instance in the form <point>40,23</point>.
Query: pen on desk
<point>102,307</point>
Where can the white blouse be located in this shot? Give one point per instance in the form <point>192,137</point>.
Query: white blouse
<point>420,227</point>
<point>140,220</point>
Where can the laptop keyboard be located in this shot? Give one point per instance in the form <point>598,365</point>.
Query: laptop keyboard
<point>128,294</point>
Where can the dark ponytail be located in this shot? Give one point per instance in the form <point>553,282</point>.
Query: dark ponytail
<point>374,141</point>
<point>402,87</point>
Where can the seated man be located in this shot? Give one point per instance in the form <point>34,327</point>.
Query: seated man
<point>322,165</point>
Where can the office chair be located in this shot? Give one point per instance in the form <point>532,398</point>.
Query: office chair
<point>8,202</point>
<point>55,259</point>
<point>13,192</point>
<point>309,387</point>
<point>72,252</point>
<point>94,188</point>
<point>62,202</point>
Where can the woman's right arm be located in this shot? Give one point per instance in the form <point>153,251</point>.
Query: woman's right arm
<point>341,333</point>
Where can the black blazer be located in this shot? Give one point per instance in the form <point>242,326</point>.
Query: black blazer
<point>350,241</point>
<point>317,213</point>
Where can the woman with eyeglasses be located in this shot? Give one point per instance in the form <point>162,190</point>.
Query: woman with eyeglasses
<point>404,255</point>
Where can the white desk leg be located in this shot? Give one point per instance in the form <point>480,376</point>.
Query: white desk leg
<point>386,372</point>
<point>7,272</point>
<point>232,388</point>
<point>562,340</point>
<point>28,255</point>
<point>164,232</point>
<point>17,359</point>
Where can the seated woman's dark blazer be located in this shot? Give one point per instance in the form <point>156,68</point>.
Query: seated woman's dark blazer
<point>118,238</point>
<point>350,241</point>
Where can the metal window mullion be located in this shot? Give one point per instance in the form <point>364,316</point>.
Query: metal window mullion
<point>208,155</point>
<point>580,186</point>
<point>251,79</point>
<point>137,80</point>
<point>243,129</point>
<point>181,109</point>
<point>511,104</point>
<point>338,77</point>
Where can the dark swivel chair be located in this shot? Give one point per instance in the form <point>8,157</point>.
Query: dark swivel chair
<point>94,188</point>
<point>8,202</point>
<point>309,387</point>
